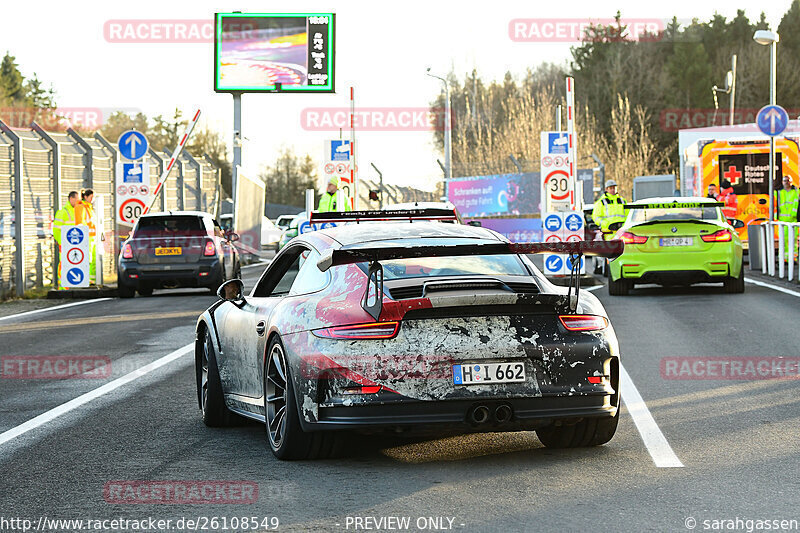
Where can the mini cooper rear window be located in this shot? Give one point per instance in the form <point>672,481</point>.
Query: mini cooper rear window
<point>170,226</point>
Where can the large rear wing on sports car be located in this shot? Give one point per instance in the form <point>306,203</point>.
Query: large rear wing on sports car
<point>387,215</point>
<point>343,256</point>
<point>674,205</point>
<point>372,301</point>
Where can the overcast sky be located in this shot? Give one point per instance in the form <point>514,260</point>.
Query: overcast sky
<point>382,50</point>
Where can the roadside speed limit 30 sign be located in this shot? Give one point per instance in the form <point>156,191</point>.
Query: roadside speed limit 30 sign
<point>133,190</point>
<point>130,210</point>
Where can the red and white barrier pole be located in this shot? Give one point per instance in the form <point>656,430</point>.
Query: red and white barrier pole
<point>573,149</point>
<point>353,177</point>
<point>175,155</point>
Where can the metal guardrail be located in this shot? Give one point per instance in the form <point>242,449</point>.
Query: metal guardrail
<point>786,249</point>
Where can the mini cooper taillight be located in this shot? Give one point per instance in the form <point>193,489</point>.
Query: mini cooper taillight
<point>371,331</point>
<point>127,252</point>
<point>722,235</point>
<point>629,238</point>
<point>210,249</point>
<point>583,322</point>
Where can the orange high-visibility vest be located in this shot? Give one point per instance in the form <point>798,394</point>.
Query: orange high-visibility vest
<point>84,214</point>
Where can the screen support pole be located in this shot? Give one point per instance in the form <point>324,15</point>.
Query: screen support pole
<point>237,143</point>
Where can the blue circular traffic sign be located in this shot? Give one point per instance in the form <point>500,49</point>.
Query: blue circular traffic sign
<point>132,144</point>
<point>75,276</point>
<point>552,223</point>
<point>75,236</point>
<point>553,263</point>
<point>772,120</point>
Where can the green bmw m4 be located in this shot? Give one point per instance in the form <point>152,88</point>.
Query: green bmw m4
<point>677,241</point>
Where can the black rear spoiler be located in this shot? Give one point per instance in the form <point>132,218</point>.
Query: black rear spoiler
<point>674,205</point>
<point>344,256</point>
<point>383,215</point>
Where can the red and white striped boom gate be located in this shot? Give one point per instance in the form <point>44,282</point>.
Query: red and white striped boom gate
<point>175,155</point>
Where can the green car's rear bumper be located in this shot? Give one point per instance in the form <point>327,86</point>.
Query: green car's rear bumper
<point>722,261</point>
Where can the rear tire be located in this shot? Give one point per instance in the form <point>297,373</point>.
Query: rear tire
<point>285,435</point>
<point>587,432</point>
<point>619,287</point>
<point>735,285</point>
<point>145,291</point>
<point>126,292</point>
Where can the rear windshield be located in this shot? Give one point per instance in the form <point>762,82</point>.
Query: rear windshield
<point>171,226</point>
<point>419,267</point>
<point>496,265</point>
<point>683,213</point>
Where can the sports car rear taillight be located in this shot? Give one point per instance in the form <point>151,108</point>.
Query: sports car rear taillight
<point>583,322</point>
<point>372,331</point>
<point>629,238</point>
<point>722,235</point>
<point>127,252</point>
<point>365,389</point>
<point>210,249</point>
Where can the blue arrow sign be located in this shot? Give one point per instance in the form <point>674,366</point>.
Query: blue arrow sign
<point>75,276</point>
<point>74,236</point>
<point>553,263</point>
<point>772,119</point>
<point>132,144</point>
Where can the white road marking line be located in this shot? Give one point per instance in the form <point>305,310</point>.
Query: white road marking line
<point>73,404</point>
<point>653,439</point>
<point>773,287</point>
<point>55,307</point>
<point>594,288</point>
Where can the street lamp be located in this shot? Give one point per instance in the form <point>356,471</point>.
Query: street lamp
<point>767,37</point>
<point>448,147</point>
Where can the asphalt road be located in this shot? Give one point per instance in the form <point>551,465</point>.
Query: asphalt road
<point>737,439</point>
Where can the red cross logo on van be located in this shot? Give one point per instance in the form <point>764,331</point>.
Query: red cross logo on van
<point>733,175</point>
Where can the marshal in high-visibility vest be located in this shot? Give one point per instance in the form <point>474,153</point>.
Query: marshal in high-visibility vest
<point>608,209</point>
<point>328,201</point>
<point>786,208</point>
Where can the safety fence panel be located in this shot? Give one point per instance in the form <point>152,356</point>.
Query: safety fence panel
<point>784,238</point>
<point>173,186</point>
<point>37,180</point>
<point>211,186</point>
<point>103,183</point>
<point>7,248</point>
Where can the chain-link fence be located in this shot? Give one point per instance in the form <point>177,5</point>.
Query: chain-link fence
<point>37,171</point>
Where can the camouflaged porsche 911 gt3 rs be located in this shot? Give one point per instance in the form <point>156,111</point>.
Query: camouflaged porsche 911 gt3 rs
<point>409,326</point>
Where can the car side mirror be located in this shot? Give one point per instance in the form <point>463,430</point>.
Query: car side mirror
<point>232,236</point>
<point>476,223</point>
<point>736,223</point>
<point>231,291</point>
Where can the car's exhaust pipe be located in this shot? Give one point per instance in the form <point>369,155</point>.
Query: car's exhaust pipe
<point>502,414</point>
<point>480,414</point>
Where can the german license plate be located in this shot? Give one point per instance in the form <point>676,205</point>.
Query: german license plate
<point>169,251</point>
<point>676,241</point>
<point>488,373</point>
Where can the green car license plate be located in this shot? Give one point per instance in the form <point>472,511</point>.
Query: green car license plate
<point>676,241</point>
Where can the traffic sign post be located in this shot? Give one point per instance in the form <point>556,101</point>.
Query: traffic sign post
<point>557,188</point>
<point>133,191</point>
<point>337,162</point>
<point>75,256</point>
<point>564,226</point>
<point>772,120</point>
